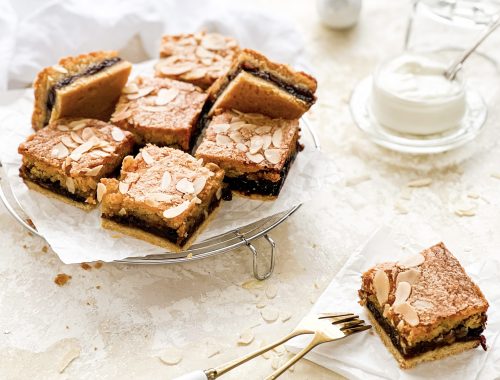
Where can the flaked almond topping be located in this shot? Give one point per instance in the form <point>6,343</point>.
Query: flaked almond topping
<point>201,52</point>
<point>166,179</point>
<point>400,325</point>
<point>199,184</point>
<point>118,116</point>
<point>196,73</point>
<point>99,153</point>
<point>409,276</point>
<point>117,134</point>
<point>422,305</point>
<point>70,184</point>
<point>166,95</point>
<point>197,200</point>
<point>381,286</point>
<point>263,129</point>
<point>63,128</point>
<point>147,157</point>
<point>123,187</point>
<point>185,186</point>
<point>160,197</point>
<point>387,307</point>
<point>77,153</point>
<point>213,42</point>
<point>101,190</point>
<point>177,69</point>
<point>246,337</point>
<point>403,292</point>
<point>67,161</point>
<point>69,142</point>
<point>236,137</point>
<point>256,143</point>
<point>257,158</point>
<point>266,141</point>
<point>221,128</point>
<point>60,69</point>
<point>412,261</point>
<point>109,149</point>
<point>200,161</point>
<point>273,155</point>
<point>408,313</point>
<point>76,137</point>
<point>218,194</point>
<point>222,140</point>
<point>176,211</point>
<point>59,151</point>
<point>277,137</point>
<point>87,133</point>
<point>142,92</point>
<point>236,124</point>
<point>131,88</point>
<point>241,147</point>
<point>78,124</point>
<point>94,171</point>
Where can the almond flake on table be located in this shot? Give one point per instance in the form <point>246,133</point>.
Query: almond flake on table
<point>473,195</point>
<point>276,362</point>
<point>357,179</point>
<point>285,316</point>
<point>269,314</point>
<point>271,291</point>
<point>171,356</point>
<point>68,357</point>
<point>422,182</point>
<point>246,337</point>
<point>130,88</point>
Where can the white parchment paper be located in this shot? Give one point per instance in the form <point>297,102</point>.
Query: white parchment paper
<point>76,235</point>
<point>364,356</point>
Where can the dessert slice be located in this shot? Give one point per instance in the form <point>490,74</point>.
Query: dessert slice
<point>67,158</point>
<point>88,85</point>
<point>160,111</point>
<point>254,84</point>
<point>199,58</point>
<point>425,307</point>
<point>255,151</point>
<point>164,196</point>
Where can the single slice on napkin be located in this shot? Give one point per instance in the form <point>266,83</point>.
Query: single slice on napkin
<point>254,84</point>
<point>67,158</point>
<point>255,151</point>
<point>160,111</point>
<point>164,196</point>
<point>87,85</point>
<point>425,307</point>
<point>199,58</point>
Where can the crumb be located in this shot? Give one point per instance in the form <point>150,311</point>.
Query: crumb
<point>61,279</point>
<point>483,342</point>
<point>98,265</point>
<point>98,286</point>
<point>25,246</point>
<point>85,266</point>
<point>30,223</point>
<point>67,327</point>
<point>45,249</point>
<point>95,348</point>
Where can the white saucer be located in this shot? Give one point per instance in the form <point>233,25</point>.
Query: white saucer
<point>472,123</point>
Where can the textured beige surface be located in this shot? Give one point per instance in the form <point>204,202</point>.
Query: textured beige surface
<point>140,311</point>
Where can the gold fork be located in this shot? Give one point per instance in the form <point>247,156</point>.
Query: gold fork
<point>309,325</point>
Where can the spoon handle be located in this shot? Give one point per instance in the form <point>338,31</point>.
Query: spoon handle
<point>451,72</point>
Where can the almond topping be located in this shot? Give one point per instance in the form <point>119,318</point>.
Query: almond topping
<point>77,153</point>
<point>70,184</point>
<point>76,137</point>
<point>196,73</point>
<point>78,124</point>
<point>277,138</point>
<point>68,141</point>
<point>130,88</point>
<point>154,108</point>
<point>60,69</point>
<point>177,69</point>
<point>221,128</point>
<point>256,143</point>
<point>213,42</point>
<point>185,186</point>
<point>222,140</point>
<point>422,305</point>
<point>408,313</point>
<point>166,95</point>
<point>141,93</point>
<point>236,137</point>
<point>117,134</point>
<point>199,184</point>
<point>118,116</point>
<point>257,158</point>
<point>266,141</point>
<point>241,147</point>
<point>201,52</point>
<point>412,261</point>
<point>101,190</point>
<point>59,151</point>
<point>63,128</point>
<point>381,286</point>
<point>403,292</point>
<point>176,211</point>
<point>94,171</point>
<point>147,157</point>
<point>166,179</point>
<point>87,133</point>
<point>263,129</point>
<point>273,155</point>
<point>123,187</point>
<point>409,276</point>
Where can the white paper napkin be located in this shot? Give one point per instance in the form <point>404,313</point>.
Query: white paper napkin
<point>364,356</point>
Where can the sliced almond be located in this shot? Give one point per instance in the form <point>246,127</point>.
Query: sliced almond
<point>60,69</point>
<point>267,139</point>
<point>236,137</point>
<point>94,171</point>
<point>77,153</point>
<point>236,124</point>
<point>177,69</point>
<point>171,356</point>
<point>78,124</point>
<point>410,276</point>
<point>403,292</point>
<point>256,158</point>
<point>263,129</point>
<point>117,134</point>
<point>196,73</point>
<point>246,337</point>
<point>172,212</point>
<point>269,314</point>
<point>271,291</point>
<point>408,313</point>
<point>59,151</point>
<point>147,157</point>
<point>101,190</point>
<point>277,138</point>
<point>166,180</point>
<point>222,140</point>
<point>118,116</point>
<point>63,128</point>
<point>199,184</point>
<point>213,42</point>
<point>87,133</point>
<point>185,186</point>
<point>285,316</point>
<point>412,261</point>
<point>241,147</point>
<point>218,194</point>
<point>221,128</point>
<point>70,184</point>
<point>131,88</point>
<point>381,286</point>
<point>201,52</point>
<point>273,155</point>
<point>123,187</point>
<point>99,153</point>
<point>76,137</point>
<point>256,143</point>
<point>422,182</point>
<point>69,142</point>
<point>166,95</point>
<point>141,93</point>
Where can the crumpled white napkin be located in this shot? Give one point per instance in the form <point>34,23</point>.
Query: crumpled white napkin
<point>36,34</point>
<point>364,356</point>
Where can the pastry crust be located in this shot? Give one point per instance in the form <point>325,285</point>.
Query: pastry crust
<point>93,95</point>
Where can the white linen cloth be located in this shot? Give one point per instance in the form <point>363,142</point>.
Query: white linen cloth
<point>363,355</point>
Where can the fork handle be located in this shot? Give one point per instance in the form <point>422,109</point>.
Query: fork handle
<point>316,341</point>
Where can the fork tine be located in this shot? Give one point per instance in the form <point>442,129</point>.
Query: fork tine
<point>347,318</point>
<point>357,329</point>
<point>351,324</point>
<point>333,315</point>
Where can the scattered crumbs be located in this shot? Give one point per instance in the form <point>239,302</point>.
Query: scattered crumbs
<point>25,246</point>
<point>246,337</point>
<point>465,209</point>
<point>261,304</point>
<point>495,175</point>
<point>271,291</point>
<point>45,249</point>
<point>30,223</point>
<point>269,314</point>
<point>314,245</point>
<point>170,356</point>
<point>95,348</point>
<point>61,279</point>
<point>98,265</point>
<point>67,327</point>
<point>356,180</point>
<point>285,316</point>
<point>98,286</point>
<point>473,195</point>
<point>422,182</point>
<point>212,349</point>
<point>85,266</point>
<point>189,255</point>
<point>400,208</point>
<point>465,212</point>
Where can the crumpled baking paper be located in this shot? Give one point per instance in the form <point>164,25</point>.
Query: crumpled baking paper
<point>363,355</point>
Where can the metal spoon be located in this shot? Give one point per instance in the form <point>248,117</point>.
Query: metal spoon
<point>455,67</point>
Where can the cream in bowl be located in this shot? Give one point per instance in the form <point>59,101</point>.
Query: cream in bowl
<point>410,94</point>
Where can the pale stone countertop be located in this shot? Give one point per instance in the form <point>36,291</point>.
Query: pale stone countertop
<point>118,319</point>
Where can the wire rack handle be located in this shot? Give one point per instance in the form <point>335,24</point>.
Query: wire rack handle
<point>255,256</point>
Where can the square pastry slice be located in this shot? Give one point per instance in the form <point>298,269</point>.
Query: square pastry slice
<point>255,151</point>
<point>67,158</point>
<point>88,85</point>
<point>254,84</point>
<point>199,58</point>
<point>161,111</point>
<point>164,196</point>
<point>425,307</point>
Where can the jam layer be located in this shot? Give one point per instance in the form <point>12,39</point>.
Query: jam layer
<point>460,333</point>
